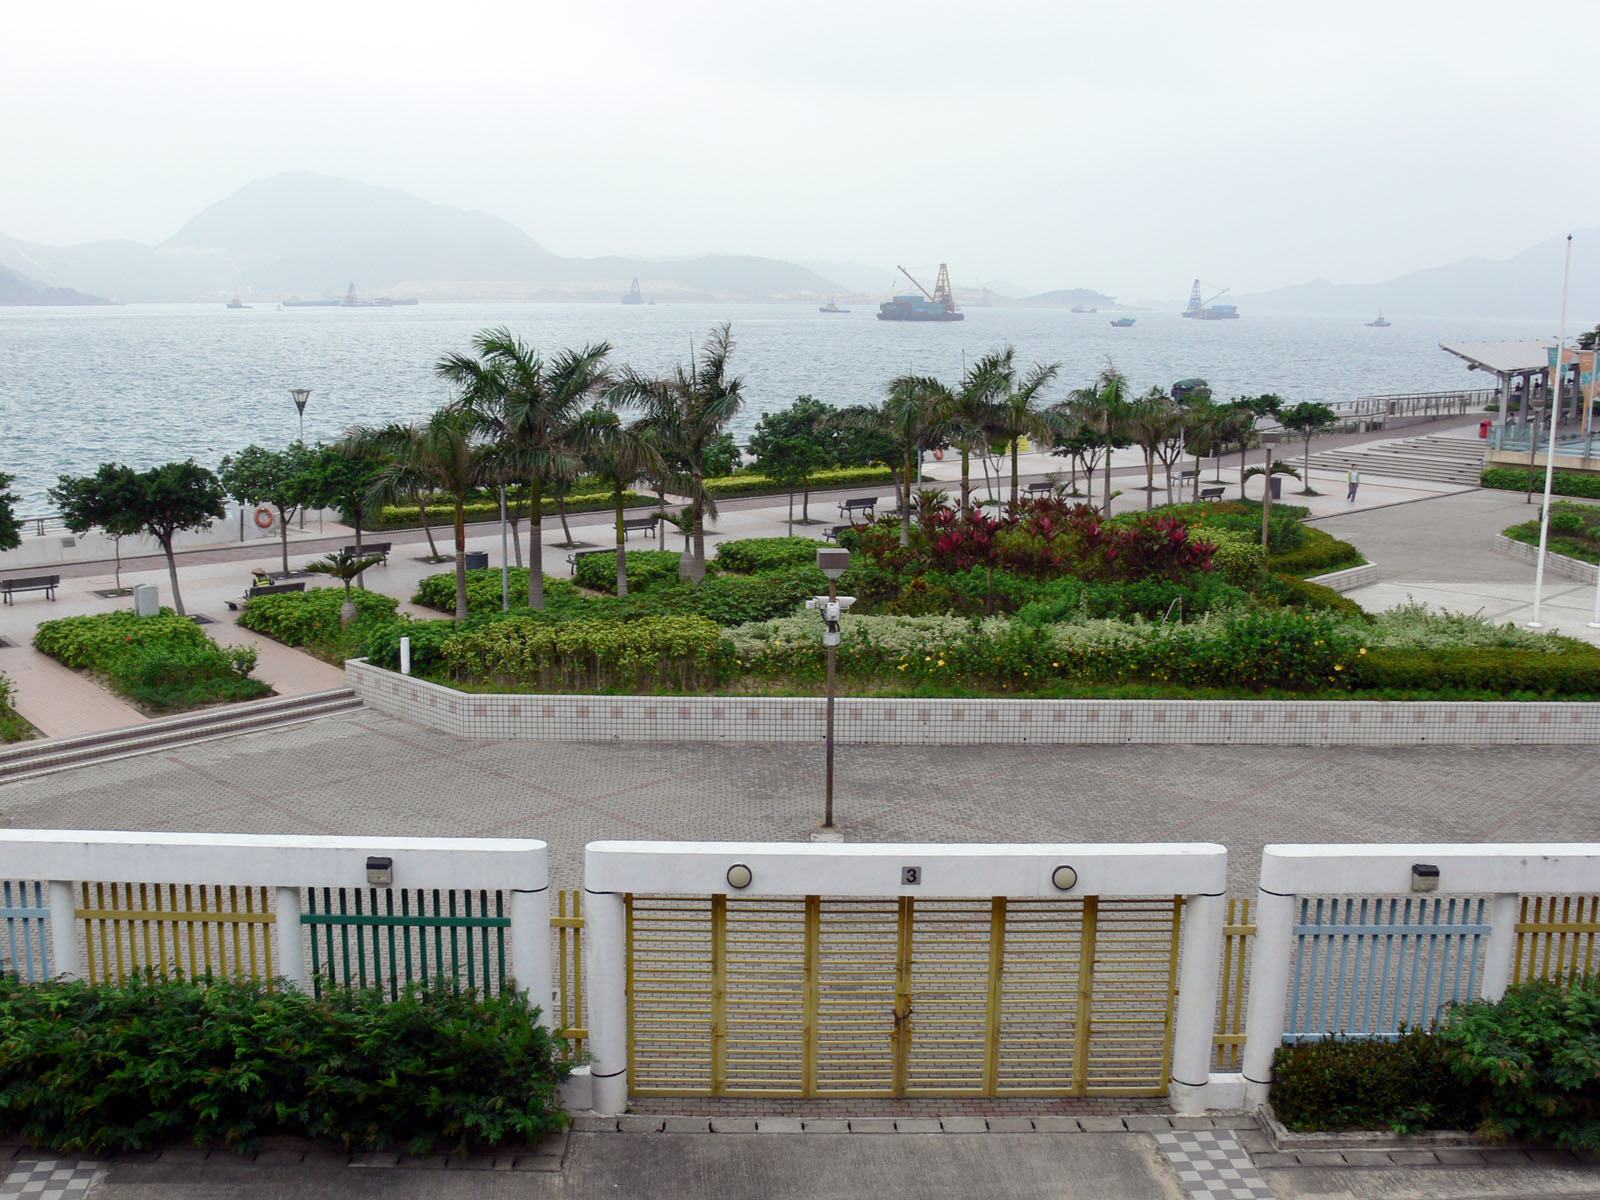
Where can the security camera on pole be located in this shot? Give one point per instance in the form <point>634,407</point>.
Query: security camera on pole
<point>832,563</point>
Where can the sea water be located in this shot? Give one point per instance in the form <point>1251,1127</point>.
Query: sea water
<point>145,384</point>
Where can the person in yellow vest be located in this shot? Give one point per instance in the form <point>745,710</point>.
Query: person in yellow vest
<point>1354,480</point>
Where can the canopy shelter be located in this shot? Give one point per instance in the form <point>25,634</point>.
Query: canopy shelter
<point>1520,371</point>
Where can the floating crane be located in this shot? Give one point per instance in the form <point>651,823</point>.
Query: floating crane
<point>940,304</point>
<point>1209,310</point>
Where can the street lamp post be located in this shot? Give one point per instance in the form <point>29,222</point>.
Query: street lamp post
<point>300,396</point>
<point>833,563</point>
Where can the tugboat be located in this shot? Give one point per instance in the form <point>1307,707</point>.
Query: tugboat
<point>633,295</point>
<point>938,305</point>
<point>1122,322</point>
<point>832,306</point>
<point>1380,323</point>
<point>236,302</point>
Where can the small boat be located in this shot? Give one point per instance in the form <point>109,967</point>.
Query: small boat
<point>832,306</point>
<point>1122,322</point>
<point>237,303</point>
<point>1380,323</point>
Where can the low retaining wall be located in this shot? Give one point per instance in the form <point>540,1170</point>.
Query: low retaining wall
<point>1349,579</point>
<point>600,718</point>
<point>1556,564</point>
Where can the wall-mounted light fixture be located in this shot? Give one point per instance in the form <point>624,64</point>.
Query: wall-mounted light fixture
<point>380,871</point>
<point>1424,877</point>
<point>1064,878</point>
<point>739,876</point>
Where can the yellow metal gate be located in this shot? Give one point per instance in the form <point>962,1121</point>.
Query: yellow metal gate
<point>808,996</point>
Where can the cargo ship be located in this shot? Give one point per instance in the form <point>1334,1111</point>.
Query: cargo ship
<point>1209,310</point>
<point>938,305</point>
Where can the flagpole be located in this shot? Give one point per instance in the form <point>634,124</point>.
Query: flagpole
<point>1553,404</point>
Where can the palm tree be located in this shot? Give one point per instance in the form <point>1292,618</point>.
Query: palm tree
<point>379,442</point>
<point>618,454</point>
<point>1152,420</point>
<point>1104,407</point>
<point>1202,433</point>
<point>345,566</point>
<point>965,416</point>
<point>690,409</point>
<point>1014,412</point>
<point>442,454</point>
<point>913,414</point>
<point>526,406</point>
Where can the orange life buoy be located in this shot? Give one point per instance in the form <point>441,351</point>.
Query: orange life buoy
<point>264,517</point>
<point>938,453</point>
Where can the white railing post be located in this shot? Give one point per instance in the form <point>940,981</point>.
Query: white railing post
<point>1498,954</point>
<point>64,930</point>
<point>1199,971</point>
<point>530,947</point>
<point>1269,981</point>
<point>605,957</point>
<point>291,949</point>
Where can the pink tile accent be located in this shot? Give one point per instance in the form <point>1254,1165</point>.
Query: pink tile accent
<point>1094,716</point>
<point>684,712</point>
<point>856,714</point>
<point>1058,715</point>
<point>616,712</point>
<point>1025,715</point>
<point>1258,717</point>
<point>990,714</point>
<point>549,710</point>
<point>718,714</point>
<point>649,712</point>
<point>514,710</point>
<point>480,710</point>
<point>888,714</point>
<point>1322,718</point>
<point>958,714</point>
<point>1159,716</point>
<point>1225,718</point>
<point>582,712</point>
<point>752,714</point>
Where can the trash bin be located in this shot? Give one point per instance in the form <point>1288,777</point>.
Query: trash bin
<point>147,600</point>
<point>1483,429</point>
<point>1277,487</point>
<point>477,560</point>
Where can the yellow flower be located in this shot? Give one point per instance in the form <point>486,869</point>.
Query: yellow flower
<point>902,666</point>
<point>941,662</point>
<point>1338,666</point>
<point>1363,650</point>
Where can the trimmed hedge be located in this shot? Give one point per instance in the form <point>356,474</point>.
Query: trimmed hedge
<point>1349,1083</point>
<point>1566,483</point>
<point>1319,553</point>
<point>749,555</point>
<point>484,590</point>
<point>582,655</point>
<point>99,1068</point>
<point>598,572</point>
<point>442,514</point>
<point>760,485</point>
<point>311,617</point>
<point>1511,673</point>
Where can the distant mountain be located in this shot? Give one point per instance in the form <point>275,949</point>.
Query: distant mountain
<point>1066,297</point>
<point>15,289</point>
<point>301,234</point>
<point>1528,285</point>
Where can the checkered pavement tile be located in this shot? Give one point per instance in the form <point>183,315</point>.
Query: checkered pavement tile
<point>50,1179</point>
<point>1213,1165</point>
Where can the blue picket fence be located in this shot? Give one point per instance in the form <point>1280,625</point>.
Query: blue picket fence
<point>25,944</point>
<point>1367,968</point>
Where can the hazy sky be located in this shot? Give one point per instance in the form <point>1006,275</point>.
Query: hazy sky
<point>1124,146</point>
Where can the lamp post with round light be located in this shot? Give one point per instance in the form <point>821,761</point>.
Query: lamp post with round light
<point>300,396</point>
<point>833,563</point>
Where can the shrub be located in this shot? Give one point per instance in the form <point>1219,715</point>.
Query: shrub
<point>98,1068</point>
<point>766,554</point>
<point>1519,674</point>
<point>1574,531</point>
<point>1348,1083</point>
<point>1293,592</point>
<point>588,654</point>
<point>1237,557</point>
<point>1566,483</point>
<point>754,484</point>
<point>12,726</point>
<point>598,572</point>
<point>311,617</point>
<point>1320,552</point>
<point>1535,1057</point>
<point>164,662</point>
<point>382,644</point>
<point>484,590</point>
<point>441,510</point>
<point>1417,627</point>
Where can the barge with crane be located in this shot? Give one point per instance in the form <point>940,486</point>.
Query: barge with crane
<point>1209,310</point>
<point>937,305</point>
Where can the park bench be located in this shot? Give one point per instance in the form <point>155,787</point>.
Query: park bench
<point>369,548</point>
<point>1040,489</point>
<point>30,583</point>
<point>267,589</point>
<point>577,555</point>
<point>652,523</point>
<point>832,532</point>
<point>1184,476</point>
<point>1211,493</point>
<point>861,504</point>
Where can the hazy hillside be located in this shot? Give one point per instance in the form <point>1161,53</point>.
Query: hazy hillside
<point>1066,297</point>
<point>14,289</point>
<point>1528,285</point>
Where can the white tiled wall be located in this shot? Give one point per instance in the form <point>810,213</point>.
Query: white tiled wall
<point>596,718</point>
<point>1556,564</point>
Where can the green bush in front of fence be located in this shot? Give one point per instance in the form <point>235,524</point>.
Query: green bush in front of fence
<point>1565,483</point>
<point>754,484</point>
<point>1405,1085</point>
<point>165,663</point>
<point>1534,1057</point>
<point>442,510</point>
<point>100,1068</point>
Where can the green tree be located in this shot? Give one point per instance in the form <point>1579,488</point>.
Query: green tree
<point>1272,468</point>
<point>690,408</point>
<point>790,444</point>
<point>617,454</point>
<point>382,444</point>
<point>1246,414</point>
<point>171,499</point>
<point>1308,418</point>
<point>1104,406</point>
<point>1014,411</point>
<point>966,416</point>
<point>10,531</point>
<point>1155,425</point>
<point>346,568</point>
<point>722,456</point>
<point>913,414</point>
<point>860,440</point>
<point>282,479</point>
<point>1202,431</point>
<point>105,500</point>
<point>441,454</point>
<point>525,406</point>
<point>342,477</point>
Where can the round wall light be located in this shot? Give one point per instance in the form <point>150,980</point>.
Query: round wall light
<point>1065,878</point>
<point>739,876</point>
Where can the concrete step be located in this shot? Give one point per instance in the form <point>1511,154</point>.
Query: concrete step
<point>1430,457</point>
<point>30,759</point>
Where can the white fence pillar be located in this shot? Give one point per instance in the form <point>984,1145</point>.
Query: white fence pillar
<point>1199,971</point>
<point>530,947</point>
<point>291,946</point>
<point>64,930</point>
<point>1498,955</point>
<point>1269,982</point>
<point>606,952</point>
